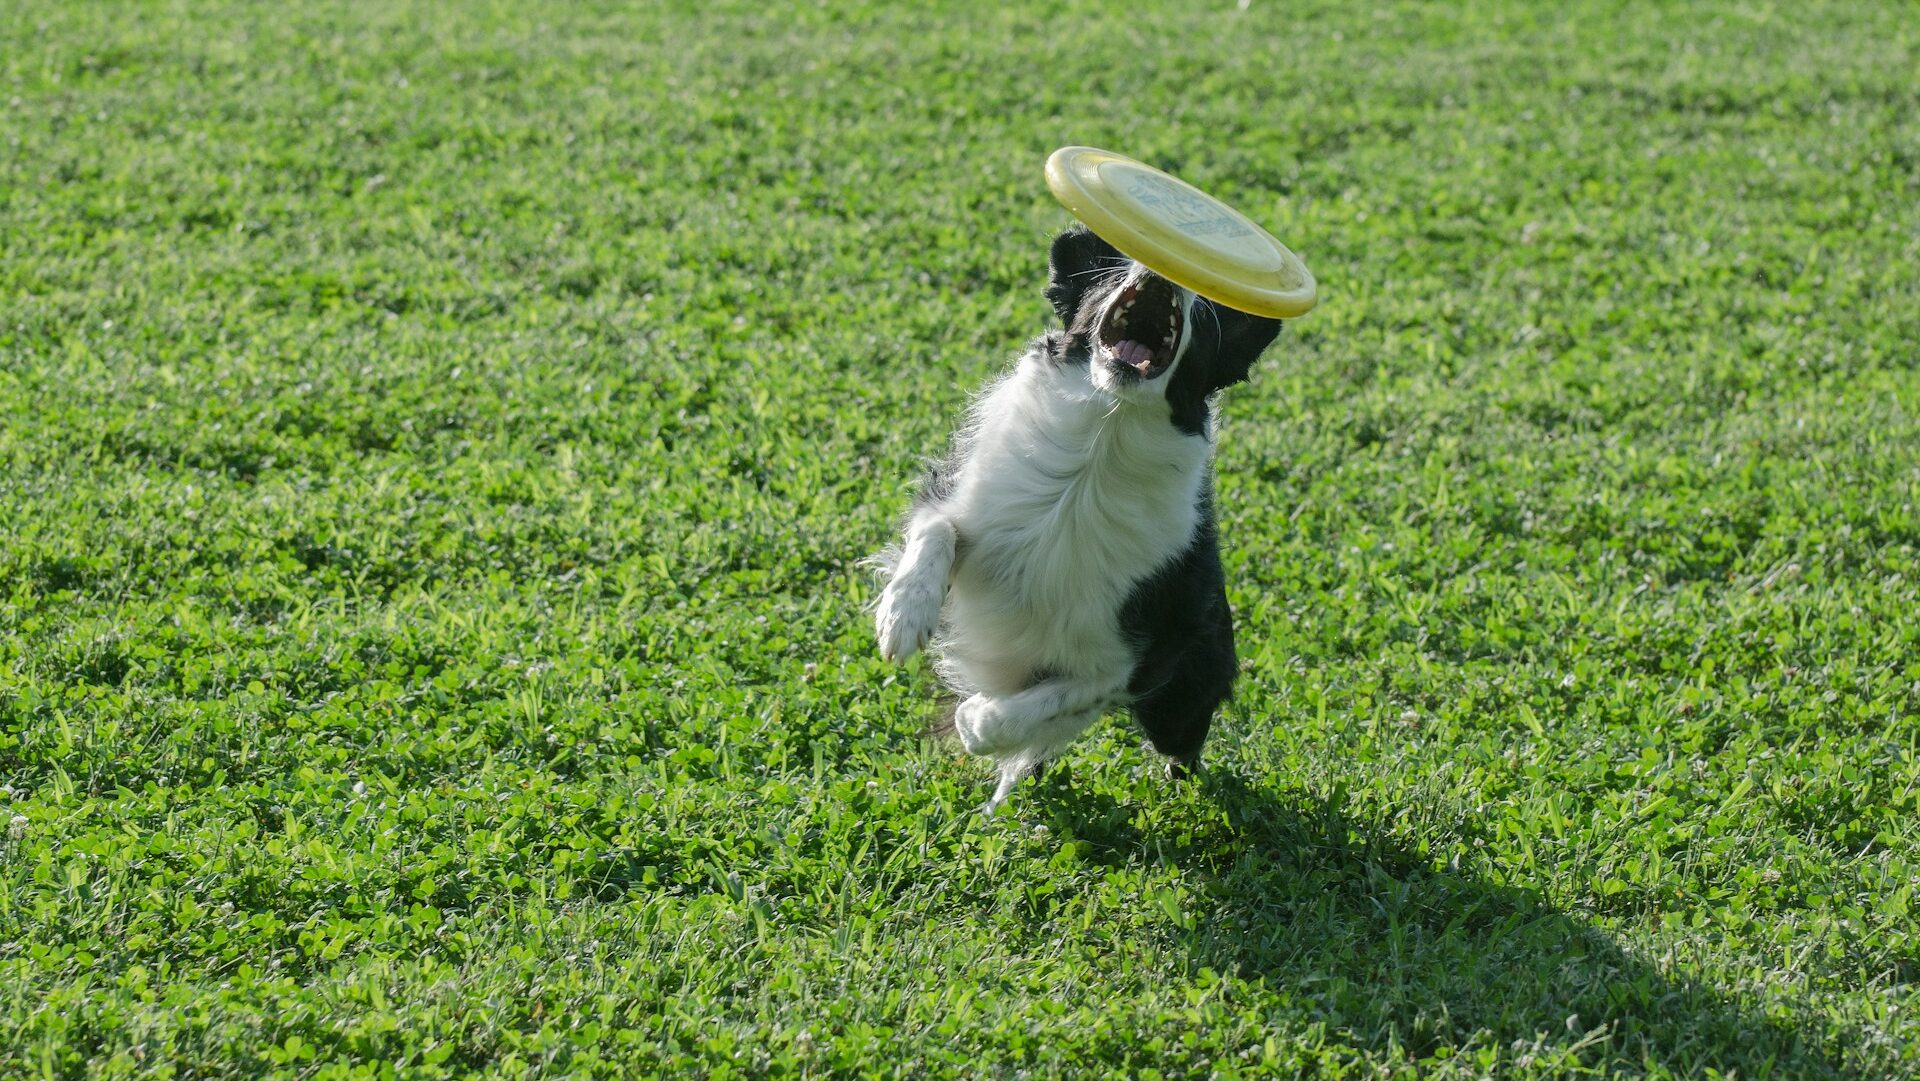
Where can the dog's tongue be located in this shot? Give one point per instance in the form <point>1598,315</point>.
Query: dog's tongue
<point>1134,355</point>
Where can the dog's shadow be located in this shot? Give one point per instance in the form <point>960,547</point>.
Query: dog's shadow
<point>1355,931</point>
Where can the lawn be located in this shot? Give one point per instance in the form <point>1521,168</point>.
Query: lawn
<point>437,442</point>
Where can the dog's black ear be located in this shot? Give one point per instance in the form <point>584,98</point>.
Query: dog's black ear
<point>1077,260</point>
<point>1241,339</point>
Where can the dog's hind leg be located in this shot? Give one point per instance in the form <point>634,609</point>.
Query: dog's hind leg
<point>1021,732</point>
<point>909,609</point>
<point>1177,713</point>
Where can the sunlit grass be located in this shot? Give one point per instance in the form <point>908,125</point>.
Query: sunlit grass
<point>436,444</point>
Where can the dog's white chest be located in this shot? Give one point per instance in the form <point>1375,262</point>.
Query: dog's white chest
<point>1066,502</point>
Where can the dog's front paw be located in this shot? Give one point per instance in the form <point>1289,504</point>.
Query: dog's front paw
<point>905,621</point>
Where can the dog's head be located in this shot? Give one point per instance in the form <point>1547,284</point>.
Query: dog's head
<point>1144,337</point>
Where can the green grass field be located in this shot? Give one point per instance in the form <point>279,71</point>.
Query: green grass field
<point>436,442</point>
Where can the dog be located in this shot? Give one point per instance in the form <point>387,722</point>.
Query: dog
<point>1061,560</point>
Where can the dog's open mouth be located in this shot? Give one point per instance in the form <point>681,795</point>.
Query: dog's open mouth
<point>1142,326</point>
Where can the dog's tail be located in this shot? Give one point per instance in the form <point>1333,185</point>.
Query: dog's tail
<point>942,729</point>
<point>1011,772</point>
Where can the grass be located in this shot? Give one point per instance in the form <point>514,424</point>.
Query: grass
<point>436,442</point>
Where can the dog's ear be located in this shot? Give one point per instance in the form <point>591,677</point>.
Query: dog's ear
<point>1241,340</point>
<point>1077,259</point>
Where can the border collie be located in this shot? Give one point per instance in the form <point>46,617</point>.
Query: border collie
<point>1061,560</point>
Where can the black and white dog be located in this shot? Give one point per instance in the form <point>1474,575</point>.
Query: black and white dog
<point>1062,560</point>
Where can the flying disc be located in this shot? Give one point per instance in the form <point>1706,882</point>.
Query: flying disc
<point>1181,233</point>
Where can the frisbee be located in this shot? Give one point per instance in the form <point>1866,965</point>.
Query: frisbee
<point>1181,233</point>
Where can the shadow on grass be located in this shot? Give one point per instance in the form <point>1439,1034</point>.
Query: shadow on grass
<point>1352,930</point>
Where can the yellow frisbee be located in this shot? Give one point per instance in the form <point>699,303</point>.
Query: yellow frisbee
<point>1181,233</point>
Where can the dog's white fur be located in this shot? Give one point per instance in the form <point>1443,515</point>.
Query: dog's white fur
<point>1073,486</point>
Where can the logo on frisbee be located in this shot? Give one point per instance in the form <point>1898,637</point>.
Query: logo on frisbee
<point>1189,212</point>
